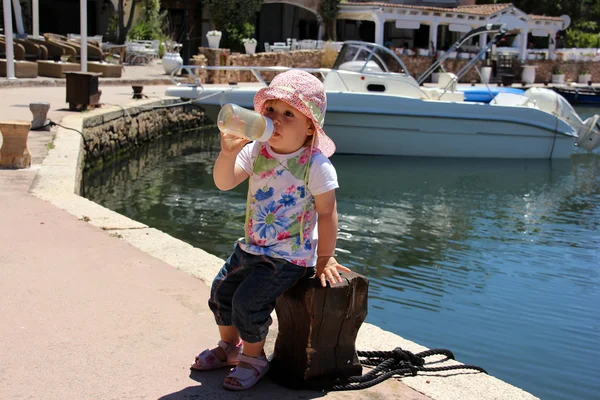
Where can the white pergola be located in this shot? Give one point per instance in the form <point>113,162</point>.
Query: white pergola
<point>8,31</point>
<point>458,19</point>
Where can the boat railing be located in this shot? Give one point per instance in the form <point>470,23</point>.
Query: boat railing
<point>256,71</point>
<point>498,29</point>
<point>371,48</point>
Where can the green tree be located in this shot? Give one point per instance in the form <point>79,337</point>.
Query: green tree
<point>122,27</point>
<point>150,24</point>
<point>329,11</point>
<point>233,18</point>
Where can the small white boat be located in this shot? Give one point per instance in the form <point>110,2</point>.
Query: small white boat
<point>374,106</point>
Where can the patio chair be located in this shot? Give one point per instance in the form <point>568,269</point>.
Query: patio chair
<point>267,47</point>
<point>97,39</point>
<point>55,50</point>
<point>33,51</point>
<point>150,47</point>
<point>18,49</point>
<point>137,54</point>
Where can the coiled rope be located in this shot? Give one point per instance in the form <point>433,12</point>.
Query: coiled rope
<point>396,362</point>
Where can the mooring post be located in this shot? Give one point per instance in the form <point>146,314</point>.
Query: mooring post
<point>317,332</point>
<point>14,152</point>
<point>40,115</point>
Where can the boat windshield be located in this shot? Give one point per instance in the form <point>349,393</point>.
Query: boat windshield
<point>368,57</point>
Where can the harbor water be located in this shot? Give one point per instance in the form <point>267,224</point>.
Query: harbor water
<point>496,260</point>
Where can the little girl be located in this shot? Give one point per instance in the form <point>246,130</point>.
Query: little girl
<point>292,187</point>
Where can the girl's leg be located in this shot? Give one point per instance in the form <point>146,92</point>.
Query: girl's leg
<point>255,299</point>
<point>230,335</point>
<point>222,290</point>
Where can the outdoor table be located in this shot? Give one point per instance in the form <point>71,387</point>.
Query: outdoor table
<point>119,49</point>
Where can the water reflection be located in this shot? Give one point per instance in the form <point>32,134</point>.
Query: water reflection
<point>416,217</point>
<point>495,259</point>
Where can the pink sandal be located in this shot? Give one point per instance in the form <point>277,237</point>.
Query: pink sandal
<point>207,360</point>
<point>247,377</point>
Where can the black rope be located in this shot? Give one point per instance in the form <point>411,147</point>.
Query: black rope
<point>397,362</point>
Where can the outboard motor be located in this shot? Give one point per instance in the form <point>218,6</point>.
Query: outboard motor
<point>588,131</point>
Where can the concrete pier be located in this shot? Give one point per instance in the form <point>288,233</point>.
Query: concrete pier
<point>96,305</point>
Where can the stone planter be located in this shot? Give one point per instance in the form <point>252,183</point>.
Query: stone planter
<point>171,61</point>
<point>250,48</point>
<point>528,74</point>
<point>213,41</point>
<point>558,78</point>
<point>486,73</point>
<point>584,78</point>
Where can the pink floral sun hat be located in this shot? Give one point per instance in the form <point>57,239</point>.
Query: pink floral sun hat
<point>306,93</point>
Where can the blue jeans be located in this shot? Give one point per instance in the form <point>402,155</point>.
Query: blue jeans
<point>244,292</point>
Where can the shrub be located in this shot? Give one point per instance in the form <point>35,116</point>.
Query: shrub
<point>557,70</point>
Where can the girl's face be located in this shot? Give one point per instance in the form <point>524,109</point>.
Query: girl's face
<point>292,128</point>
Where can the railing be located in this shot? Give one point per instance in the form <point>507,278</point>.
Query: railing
<point>498,29</point>
<point>189,69</point>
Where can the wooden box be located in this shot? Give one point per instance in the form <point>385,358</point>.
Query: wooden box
<point>82,89</point>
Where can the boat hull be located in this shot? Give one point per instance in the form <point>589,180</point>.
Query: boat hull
<point>366,123</point>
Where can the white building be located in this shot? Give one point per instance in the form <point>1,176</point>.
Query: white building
<point>409,24</point>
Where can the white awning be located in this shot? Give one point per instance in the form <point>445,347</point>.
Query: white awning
<point>540,32</point>
<point>459,28</point>
<point>404,24</point>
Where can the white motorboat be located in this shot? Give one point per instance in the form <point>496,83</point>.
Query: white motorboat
<point>374,106</point>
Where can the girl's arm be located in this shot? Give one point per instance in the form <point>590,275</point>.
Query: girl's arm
<point>226,173</point>
<point>327,267</point>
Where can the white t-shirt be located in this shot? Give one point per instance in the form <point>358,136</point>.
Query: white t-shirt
<point>278,199</point>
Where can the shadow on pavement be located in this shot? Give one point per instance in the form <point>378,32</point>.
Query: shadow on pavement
<point>211,386</point>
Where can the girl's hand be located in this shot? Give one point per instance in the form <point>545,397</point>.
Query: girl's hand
<point>327,270</point>
<point>231,145</point>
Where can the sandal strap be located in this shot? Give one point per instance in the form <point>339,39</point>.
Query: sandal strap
<point>258,362</point>
<point>224,345</point>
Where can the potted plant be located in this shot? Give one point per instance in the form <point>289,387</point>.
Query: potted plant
<point>486,74</point>
<point>214,37</point>
<point>528,74</point>
<point>171,58</point>
<point>435,77</point>
<point>249,45</point>
<point>558,74</point>
<point>584,76</point>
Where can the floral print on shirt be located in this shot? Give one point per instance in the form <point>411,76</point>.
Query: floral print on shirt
<point>280,206</point>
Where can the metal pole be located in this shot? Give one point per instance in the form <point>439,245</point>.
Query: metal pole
<point>18,18</point>
<point>8,34</point>
<point>35,5</point>
<point>83,17</point>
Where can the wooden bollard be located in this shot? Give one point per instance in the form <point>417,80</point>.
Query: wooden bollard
<point>14,152</point>
<point>317,331</point>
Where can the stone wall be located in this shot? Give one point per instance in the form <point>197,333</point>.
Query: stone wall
<point>324,59</point>
<point>109,135</point>
<point>223,57</point>
<point>572,69</point>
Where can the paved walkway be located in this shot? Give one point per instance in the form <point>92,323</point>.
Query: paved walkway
<point>86,314</point>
